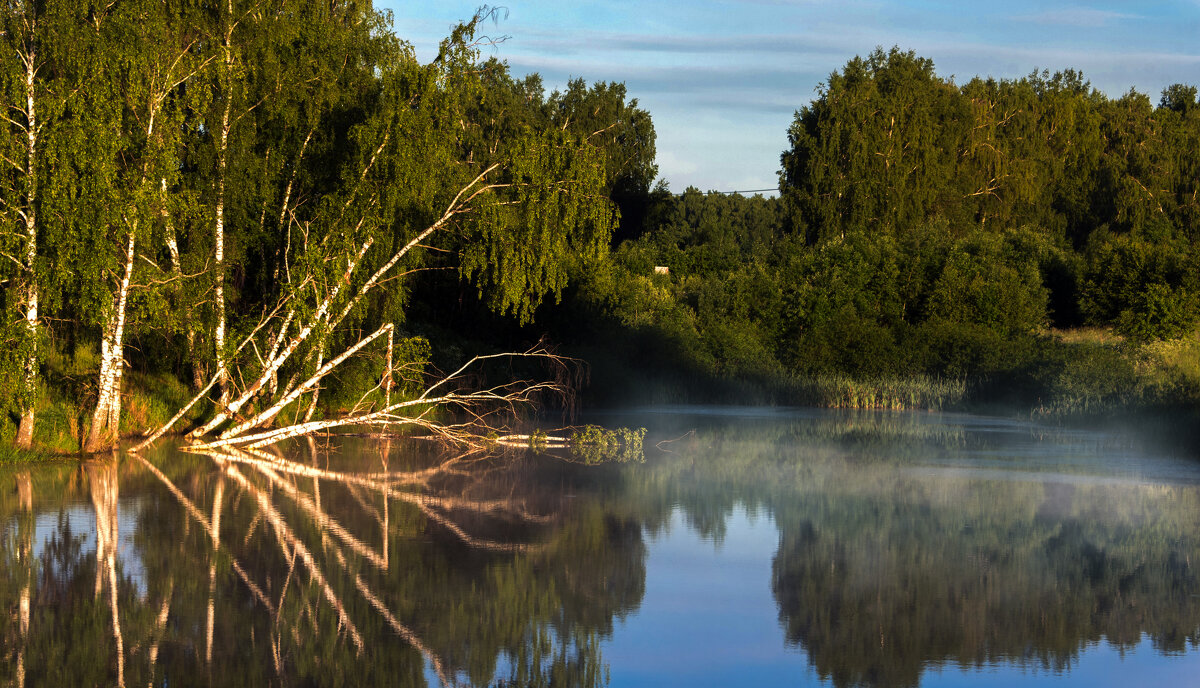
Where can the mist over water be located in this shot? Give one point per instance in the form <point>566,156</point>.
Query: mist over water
<point>763,546</point>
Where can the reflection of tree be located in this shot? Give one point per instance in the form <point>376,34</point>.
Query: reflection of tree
<point>874,600</point>
<point>886,566</point>
<point>19,560</point>
<point>262,570</point>
<point>102,477</point>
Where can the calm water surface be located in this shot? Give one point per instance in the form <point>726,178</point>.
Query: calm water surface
<point>750,547</point>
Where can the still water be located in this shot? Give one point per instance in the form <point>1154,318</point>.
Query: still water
<point>750,547</point>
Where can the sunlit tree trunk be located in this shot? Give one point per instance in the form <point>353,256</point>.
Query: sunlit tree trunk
<point>219,224</point>
<point>106,419</point>
<point>28,211</point>
<point>198,369</point>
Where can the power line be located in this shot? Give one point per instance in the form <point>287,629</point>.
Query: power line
<point>747,191</point>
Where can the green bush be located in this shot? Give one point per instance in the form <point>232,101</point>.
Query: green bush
<point>1158,312</point>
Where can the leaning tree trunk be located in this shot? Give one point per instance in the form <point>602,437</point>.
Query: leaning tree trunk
<point>106,420</point>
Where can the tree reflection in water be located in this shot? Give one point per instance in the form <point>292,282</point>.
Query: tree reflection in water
<point>905,543</point>
<point>264,570</point>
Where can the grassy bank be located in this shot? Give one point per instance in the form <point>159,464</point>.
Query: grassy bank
<point>1070,373</point>
<point>1076,374</point>
<point>67,397</point>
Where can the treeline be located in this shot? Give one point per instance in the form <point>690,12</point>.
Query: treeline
<point>927,230</point>
<point>233,192</point>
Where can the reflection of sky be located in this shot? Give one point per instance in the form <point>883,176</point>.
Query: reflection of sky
<point>708,616</point>
<point>722,78</point>
<point>82,519</point>
<point>709,619</point>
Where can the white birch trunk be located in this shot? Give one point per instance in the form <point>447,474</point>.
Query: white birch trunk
<point>105,430</point>
<point>273,365</point>
<point>190,334</point>
<point>316,390</point>
<point>25,429</point>
<point>311,382</point>
<point>219,229</point>
<point>327,321</point>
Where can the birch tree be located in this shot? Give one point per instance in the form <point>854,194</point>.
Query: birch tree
<point>26,29</point>
<point>513,216</point>
<point>143,54</point>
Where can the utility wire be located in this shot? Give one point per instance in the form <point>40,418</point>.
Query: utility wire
<point>747,191</point>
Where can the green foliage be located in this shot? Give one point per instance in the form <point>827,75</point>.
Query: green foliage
<point>1146,288</point>
<point>594,444</point>
<point>931,230</point>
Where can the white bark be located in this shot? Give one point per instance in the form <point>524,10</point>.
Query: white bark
<point>325,320</point>
<point>275,408</point>
<point>219,228</point>
<point>105,429</point>
<point>29,58</point>
<point>273,365</point>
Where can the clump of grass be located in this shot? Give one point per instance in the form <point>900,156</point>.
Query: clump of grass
<point>57,429</point>
<point>918,392</point>
<point>1093,336</point>
<point>150,401</point>
<point>1178,359</point>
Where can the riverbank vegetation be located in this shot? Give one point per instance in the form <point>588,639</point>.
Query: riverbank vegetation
<point>267,219</point>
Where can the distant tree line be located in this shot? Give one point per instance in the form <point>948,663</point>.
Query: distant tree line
<point>926,227</point>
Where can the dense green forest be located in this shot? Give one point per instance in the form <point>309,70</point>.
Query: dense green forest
<point>233,198</point>
<point>1029,240</point>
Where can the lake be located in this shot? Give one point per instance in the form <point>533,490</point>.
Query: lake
<point>750,546</point>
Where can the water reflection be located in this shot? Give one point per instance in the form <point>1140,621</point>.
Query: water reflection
<point>905,542</point>
<point>897,555</point>
<point>263,570</point>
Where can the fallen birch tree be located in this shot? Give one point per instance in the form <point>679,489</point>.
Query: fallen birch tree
<point>295,335</point>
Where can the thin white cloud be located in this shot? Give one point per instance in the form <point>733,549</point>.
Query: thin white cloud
<point>1079,17</point>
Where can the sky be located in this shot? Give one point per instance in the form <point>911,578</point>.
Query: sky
<point>722,79</point>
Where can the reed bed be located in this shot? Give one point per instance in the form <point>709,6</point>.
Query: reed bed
<point>918,392</point>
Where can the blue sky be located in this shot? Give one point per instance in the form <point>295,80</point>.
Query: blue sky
<point>723,78</point>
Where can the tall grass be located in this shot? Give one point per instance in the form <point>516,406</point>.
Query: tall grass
<point>917,392</point>
<point>1102,374</point>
